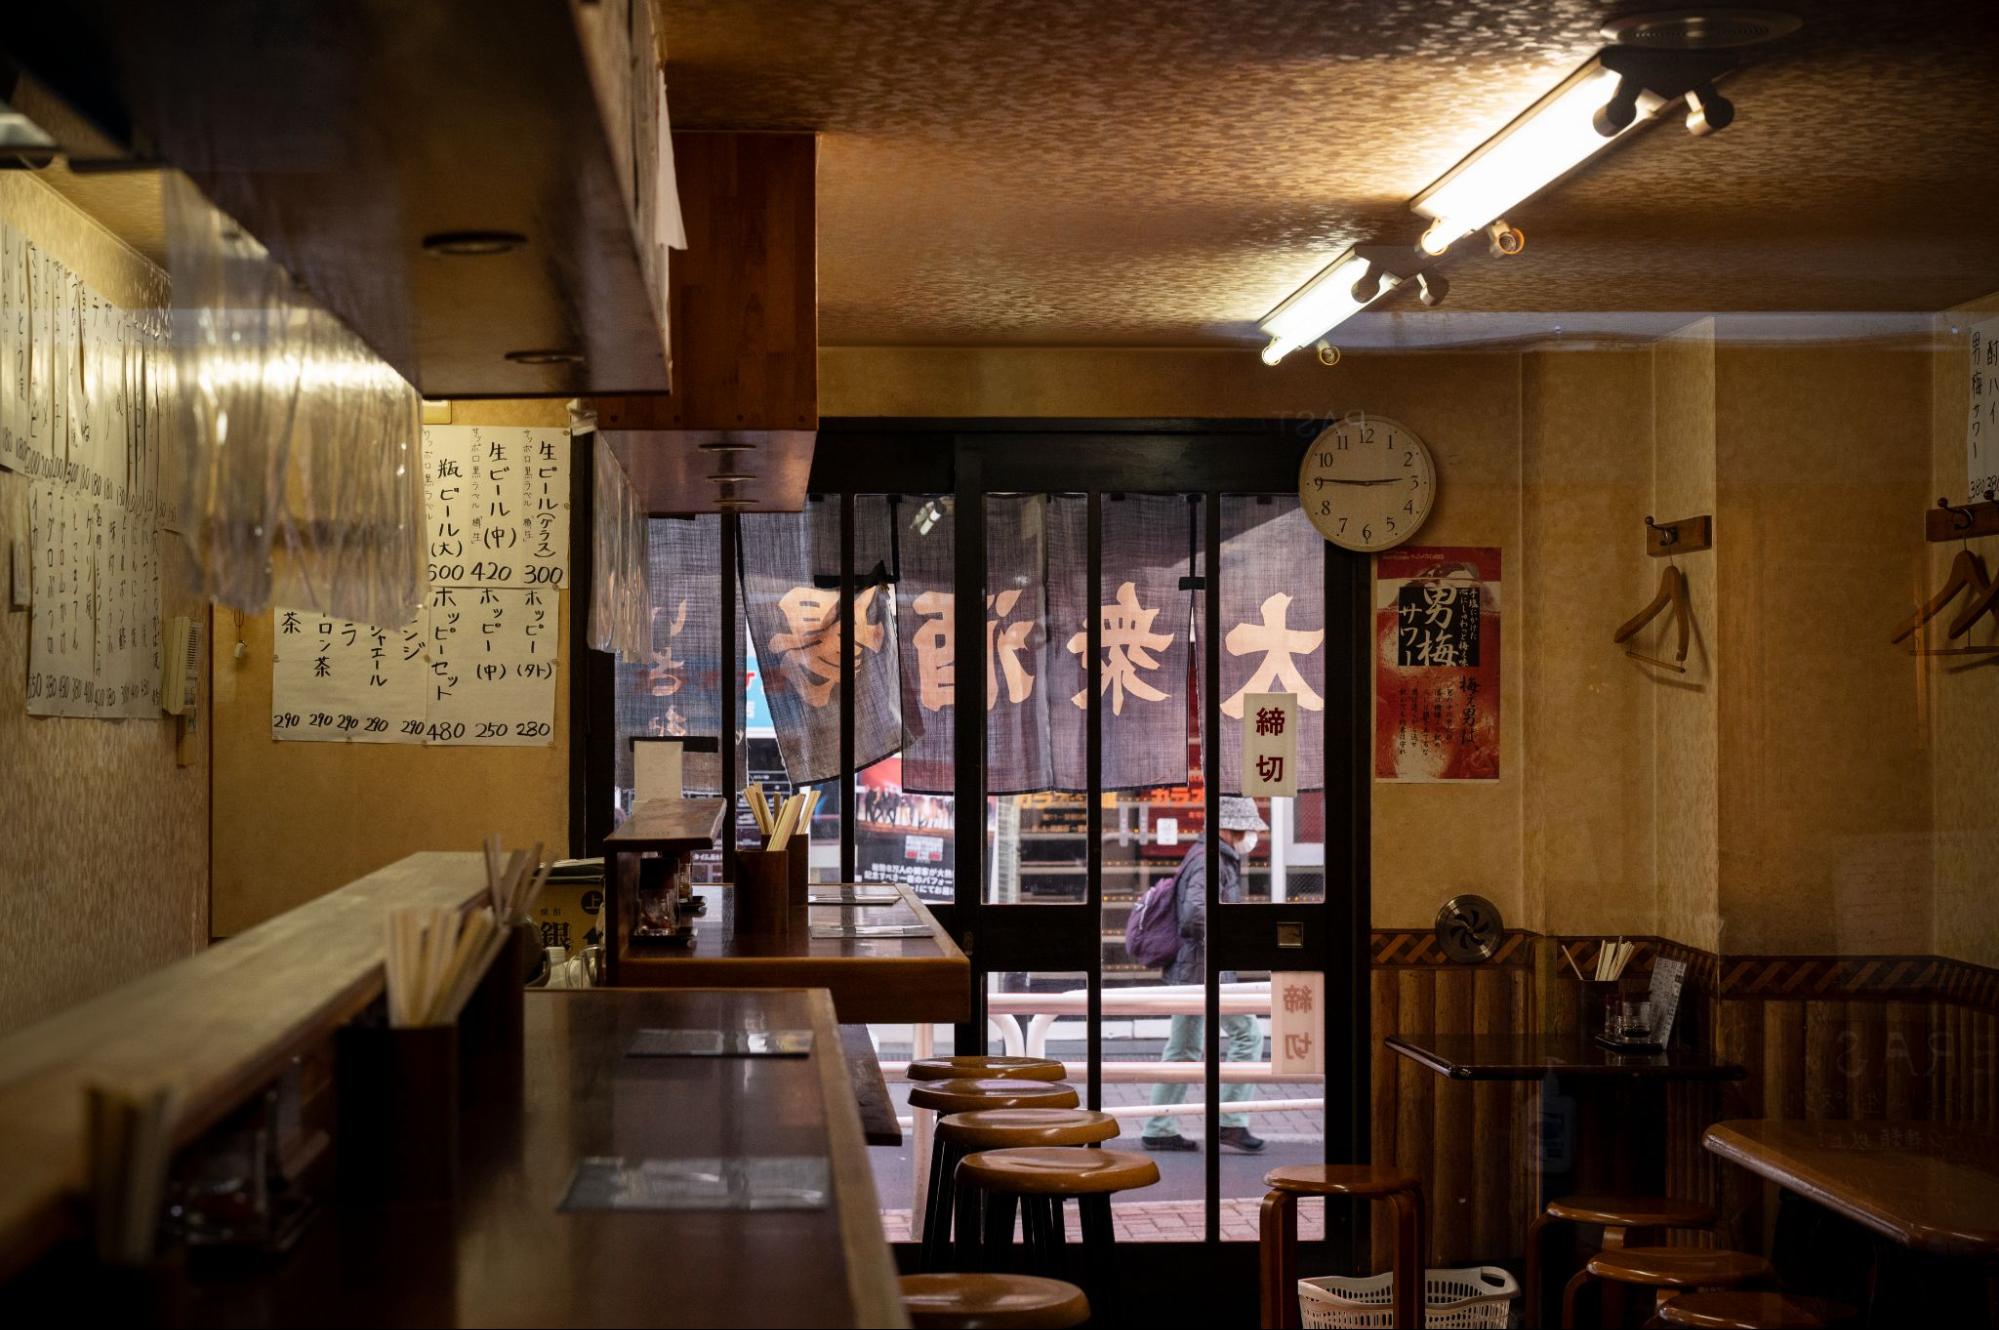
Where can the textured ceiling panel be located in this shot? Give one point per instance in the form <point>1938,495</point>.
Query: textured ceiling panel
<point>1164,174</point>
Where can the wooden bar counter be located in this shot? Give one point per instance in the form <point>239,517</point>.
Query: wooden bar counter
<point>220,1023</point>
<point>506,1255</point>
<point>882,979</point>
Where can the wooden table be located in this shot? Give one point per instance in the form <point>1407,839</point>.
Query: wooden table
<point>221,1023</point>
<point>1928,1186</point>
<point>1530,1057</point>
<point>1615,1109</point>
<point>895,979</point>
<point>505,1255</point>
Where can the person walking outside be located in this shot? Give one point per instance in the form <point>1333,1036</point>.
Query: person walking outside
<point>1242,1035</point>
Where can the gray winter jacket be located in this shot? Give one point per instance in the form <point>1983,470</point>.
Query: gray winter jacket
<point>1190,966</point>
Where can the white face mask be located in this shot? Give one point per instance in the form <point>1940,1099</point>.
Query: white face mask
<point>1247,845</point>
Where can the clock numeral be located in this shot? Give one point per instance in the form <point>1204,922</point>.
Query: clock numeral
<point>1343,526</point>
<point>1326,509</point>
<point>1341,442</point>
<point>1409,458</point>
<point>1391,524</point>
<point>1325,459</point>
<point>1410,507</point>
<point>1367,533</point>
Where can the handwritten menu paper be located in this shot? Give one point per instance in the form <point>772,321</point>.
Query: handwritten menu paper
<point>1981,430</point>
<point>478,665</point>
<point>336,680</point>
<point>492,666</point>
<point>497,504</point>
<point>80,387</point>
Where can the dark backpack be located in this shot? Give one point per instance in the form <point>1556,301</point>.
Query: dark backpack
<point>1152,929</point>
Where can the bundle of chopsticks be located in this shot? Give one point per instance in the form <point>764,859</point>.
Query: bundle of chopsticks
<point>435,958</point>
<point>516,885</point>
<point>795,812</point>
<point>131,1144</point>
<point>1611,958</point>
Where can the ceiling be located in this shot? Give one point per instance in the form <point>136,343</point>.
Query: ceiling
<point>1096,173</point>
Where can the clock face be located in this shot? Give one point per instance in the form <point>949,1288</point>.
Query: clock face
<point>1367,483</point>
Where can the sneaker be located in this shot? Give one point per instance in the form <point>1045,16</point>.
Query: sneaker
<point>1238,1138</point>
<point>1173,1142</point>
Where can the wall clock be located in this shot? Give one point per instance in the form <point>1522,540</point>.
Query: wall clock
<point>1367,483</point>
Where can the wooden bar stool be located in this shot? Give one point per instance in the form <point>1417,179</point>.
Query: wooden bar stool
<point>1746,1309</point>
<point>1665,1270</point>
<point>977,1066</point>
<point>992,1302</point>
<point>1278,1234</point>
<point>990,1183</point>
<point>969,1096</point>
<point>1625,1220</point>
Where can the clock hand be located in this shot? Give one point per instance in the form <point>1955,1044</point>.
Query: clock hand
<point>1335,480</point>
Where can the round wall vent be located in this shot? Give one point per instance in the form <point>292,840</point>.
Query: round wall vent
<point>1701,29</point>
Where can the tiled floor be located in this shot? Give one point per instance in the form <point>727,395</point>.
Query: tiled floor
<point>1160,1221</point>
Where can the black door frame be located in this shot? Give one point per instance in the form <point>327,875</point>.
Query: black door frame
<point>1202,459</point>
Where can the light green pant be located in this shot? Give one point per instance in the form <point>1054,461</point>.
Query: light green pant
<point>1242,1041</point>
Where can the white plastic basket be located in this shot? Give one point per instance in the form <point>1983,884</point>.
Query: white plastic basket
<point>1480,1295</point>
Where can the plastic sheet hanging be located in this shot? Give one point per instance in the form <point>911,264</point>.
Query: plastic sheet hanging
<point>620,603</point>
<point>304,483</point>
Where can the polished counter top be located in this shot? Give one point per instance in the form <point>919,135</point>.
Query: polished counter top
<point>504,1254</point>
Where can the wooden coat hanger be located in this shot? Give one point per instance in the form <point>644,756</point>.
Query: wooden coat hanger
<point>1975,609</point>
<point>1673,593</point>
<point>1967,573</point>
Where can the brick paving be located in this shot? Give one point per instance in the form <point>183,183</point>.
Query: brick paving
<point>1162,1221</point>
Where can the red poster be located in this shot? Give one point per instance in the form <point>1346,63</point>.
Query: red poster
<point>1436,667</point>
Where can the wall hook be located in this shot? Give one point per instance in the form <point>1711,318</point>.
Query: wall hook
<point>1960,518</point>
<point>1667,536</point>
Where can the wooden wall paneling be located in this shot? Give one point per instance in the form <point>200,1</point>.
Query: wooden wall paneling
<point>1492,1134</point>
<point>1451,1198</point>
<point>1739,1038</point>
<point>1525,1146</point>
<point>1783,1059</point>
<point>1907,1058</point>
<point>1825,1077</point>
<point>1866,1056</point>
<point>1385,1107</point>
<point>1415,1108</point>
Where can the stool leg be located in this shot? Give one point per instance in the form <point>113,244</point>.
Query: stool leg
<point>937,1214</point>
<point>1530,1312</point>
<point>1034,1235</point>
<point>1613,1292</point>
<point>1569,1296</point>
<point>1408,1266</point>
<point>971,1208</point>
<point>1100,1260</point>
<point>1058,1239</point>
<point>999,1253</point>
<point>1277,1257</point>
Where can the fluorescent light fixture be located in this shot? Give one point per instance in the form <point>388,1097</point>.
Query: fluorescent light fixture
<point>1547,141</point>
<point>1322,304</point>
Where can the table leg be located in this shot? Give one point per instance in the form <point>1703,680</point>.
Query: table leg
<point>1277,1243</point>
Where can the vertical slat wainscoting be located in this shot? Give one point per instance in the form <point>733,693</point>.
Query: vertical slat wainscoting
<point>1466,1140</point>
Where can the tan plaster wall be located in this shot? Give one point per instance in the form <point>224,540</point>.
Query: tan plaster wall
<point>1586,480</point>
<point>103,838</point>
<point>1686,831</point>
<point>1824,769</point>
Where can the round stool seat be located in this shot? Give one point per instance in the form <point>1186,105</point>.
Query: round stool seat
<point>1057,1171</point>
<point>1677,1267</point>
<point>1632,1211</point>
<point>992,1302</point>
<point>970,1066</point>
<point>966,1096</point>
<point>1340,1180</point>
<point>1746,1308</point>
<point>1007,1128</point>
